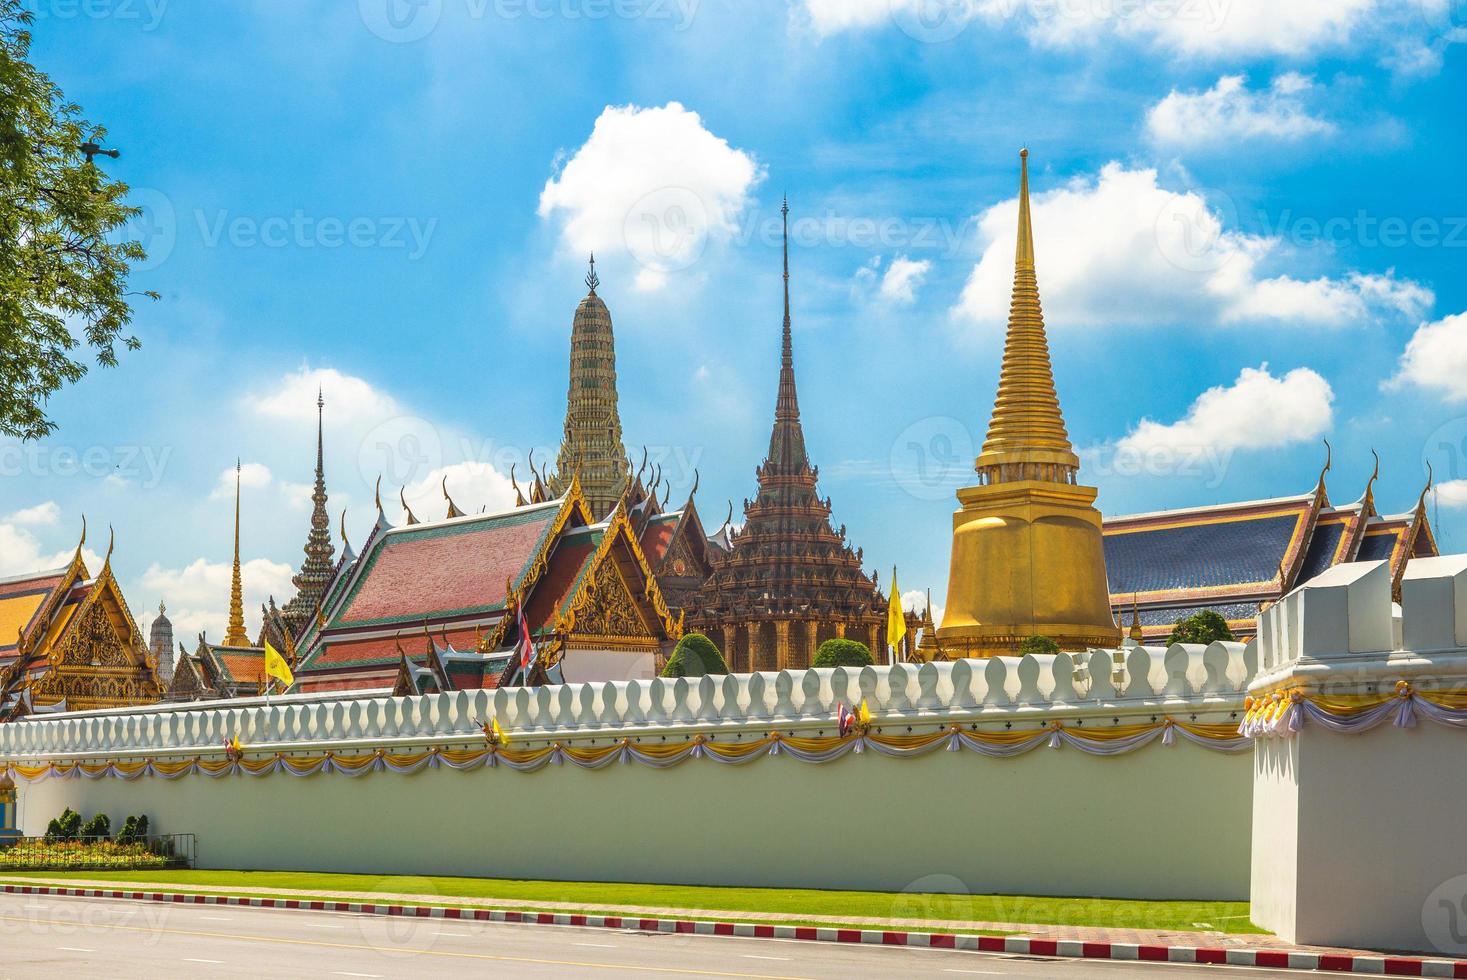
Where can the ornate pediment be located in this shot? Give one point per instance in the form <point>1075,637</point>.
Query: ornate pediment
<point>606,606</point>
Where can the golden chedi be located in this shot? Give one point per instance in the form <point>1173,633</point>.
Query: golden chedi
<point>1028,558</point>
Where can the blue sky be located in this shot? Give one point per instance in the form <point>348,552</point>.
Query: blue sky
<point>1250,227</point>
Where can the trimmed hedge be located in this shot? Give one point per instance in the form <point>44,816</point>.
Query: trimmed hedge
<point>842,653</point>
<point>1203,627</point>
<point>695,656</point>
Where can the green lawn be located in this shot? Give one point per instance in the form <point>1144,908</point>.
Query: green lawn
<point>794,903</point>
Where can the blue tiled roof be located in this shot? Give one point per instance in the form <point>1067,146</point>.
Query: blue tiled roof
<point>1322,545</point>
<point>1378,547</point>
<point>1170,616</point>
<point>1192,556</point>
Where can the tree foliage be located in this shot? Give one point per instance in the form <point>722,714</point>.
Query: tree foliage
<point>63,284</point>
<point>842,653</point>
<point>134,830</point>
<point>1203,627</point>
<point>97,828</point>
<point>1038,645</point>
<point>695,656</point>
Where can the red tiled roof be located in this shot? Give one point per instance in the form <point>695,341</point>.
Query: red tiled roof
<point>656,536</point>
<point>445,569</point>
<point>559,581</point>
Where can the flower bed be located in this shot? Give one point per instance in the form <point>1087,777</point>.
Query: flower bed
<point>40,854</point>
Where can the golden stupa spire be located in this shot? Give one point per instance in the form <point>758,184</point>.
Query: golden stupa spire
<point>235,635</point>
<point>1026,436</point>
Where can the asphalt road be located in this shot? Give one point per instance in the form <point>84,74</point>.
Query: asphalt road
<point>74,937</point>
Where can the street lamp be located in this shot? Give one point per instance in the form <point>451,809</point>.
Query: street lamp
<point>93,150</point>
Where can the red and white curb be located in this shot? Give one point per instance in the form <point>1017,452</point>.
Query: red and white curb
<point>1394,966</point>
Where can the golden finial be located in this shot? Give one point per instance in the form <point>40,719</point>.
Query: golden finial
<point>453,510</point>
<point>402,499</point>
<point>519,498</point>
<point>1421,500</point>
<point>1136,632</point>
<point>1329,456</point>
<point>377,494</point>
<point>346,545</point>
<point>1369,497</point>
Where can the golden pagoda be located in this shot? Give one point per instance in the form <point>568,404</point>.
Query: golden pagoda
<point>1028,557</point>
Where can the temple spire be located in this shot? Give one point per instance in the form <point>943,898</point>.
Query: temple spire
<point>310,582</point>
<point>592,280</point>
<point>787,441</point>
<point>1026,436</point>
<point>235,636</point>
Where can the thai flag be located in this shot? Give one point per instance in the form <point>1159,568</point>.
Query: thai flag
<point>526,645</point>
<point>844,719</point>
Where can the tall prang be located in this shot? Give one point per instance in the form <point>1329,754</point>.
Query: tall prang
<point>1028,557</point>
<point>235,635</point>
<point>591,447</point>
<point>789,581</point>
<point>311,581</point>
<point>160,644</point>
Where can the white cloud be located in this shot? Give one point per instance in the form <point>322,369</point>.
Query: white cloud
<point>1258,411</point>
<point>915,600</point>
<point>473,485</point>
<point>1230,112</point>
<point>902,279</point>
<point>252,476</point>
<point>1210,28</point>
<point>653,183</point>
<point>23,552</point>
<point>348,398</point>
<point>1121,249</point>
<point>1435,359</point>
<point>1451,494</point>
<point>38,516</point>
<point>1408,37</point>
<point>198,595</point>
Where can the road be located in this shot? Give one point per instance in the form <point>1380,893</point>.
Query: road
<point>74,937</point>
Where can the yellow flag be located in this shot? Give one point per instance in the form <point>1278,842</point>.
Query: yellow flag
<point>865,713</point>
<point>499,735</point>
<point>896,622</point>
<point>276,667</point>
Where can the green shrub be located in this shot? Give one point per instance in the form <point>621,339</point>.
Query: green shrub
<point>842,653</point>
<point>134,829</point>
<point>64,827</point>
<point>1203,627</point>
<point>695,656</point>
<point>1038,645</point>
<point>97,828</point>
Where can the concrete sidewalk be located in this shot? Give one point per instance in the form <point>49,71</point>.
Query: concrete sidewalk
<point>1089,934</point>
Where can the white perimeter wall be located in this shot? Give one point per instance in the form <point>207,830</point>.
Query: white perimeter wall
<point>1162,822</point>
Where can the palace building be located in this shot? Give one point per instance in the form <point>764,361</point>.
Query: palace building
<point>1027,555</point>
<point>585,589</point>
<point>1238,559</point>
<point>786,581</point>
<point>69,643</point>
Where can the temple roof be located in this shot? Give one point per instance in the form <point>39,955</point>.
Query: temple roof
<point>1237,558</point>
<point>450,567</point>
<point>1205,550</point>
<point>21,599</point>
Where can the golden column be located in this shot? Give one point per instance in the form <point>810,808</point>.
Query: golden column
<point>1027,552</point>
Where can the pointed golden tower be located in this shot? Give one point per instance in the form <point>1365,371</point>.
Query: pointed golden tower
<point>1027,552</point>
<point>235,635</point>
